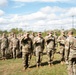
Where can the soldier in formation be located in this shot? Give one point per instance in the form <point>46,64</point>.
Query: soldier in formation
<point>26,49</point>
<point>4,46</point>
<point>39,47</point>
<point>15,45</point>
<point>61,40</point>
<point>50,45</point>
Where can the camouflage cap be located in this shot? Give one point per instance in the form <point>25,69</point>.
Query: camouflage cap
<point>27,33</point>
<point>70,32</point>
<point>51,32</point>
<point>39,33</point>
<point>62,31</point>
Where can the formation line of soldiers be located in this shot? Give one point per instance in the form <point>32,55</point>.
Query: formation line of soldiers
<point>29,44</point>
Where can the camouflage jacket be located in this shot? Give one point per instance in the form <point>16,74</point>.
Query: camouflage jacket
<point>39,43</point>
<point>50,42</point>
<point>26,45</point>
<point>70,46</point>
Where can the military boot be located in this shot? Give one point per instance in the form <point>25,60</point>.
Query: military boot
<point>62,62</point>
<point>37,65</point>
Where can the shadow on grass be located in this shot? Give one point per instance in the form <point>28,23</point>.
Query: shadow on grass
<point>44,53</point>
<point>56,62</point>
<point>42,64</point>
<point>32,66</point>
<point>46,63</point>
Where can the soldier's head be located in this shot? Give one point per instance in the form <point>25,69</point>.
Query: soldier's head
<point>50,33</point>
<point>39,34</point>
<point>55,33</point>
<point>27,34</point>
<point>70,33</point>
<point>62,32</point>
<point>4,35</point>
<point>14,35</point>
<point>33,33</point>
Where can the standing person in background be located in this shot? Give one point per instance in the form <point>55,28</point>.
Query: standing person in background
<point>16,45</point>
<point>4,46</point>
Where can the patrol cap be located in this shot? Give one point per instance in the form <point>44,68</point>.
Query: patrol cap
<point>27,33</point>
<point>39,33</point>
<point>70,32</point>
<point>50,32</point>
<point>62,31</point>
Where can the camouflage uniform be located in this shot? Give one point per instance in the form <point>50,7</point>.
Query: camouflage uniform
<point>10,48</point>
<point>56,37</point>
<point>70,47</point>
<point>39,46</point>
<point>61,40</point>
<point>15,44</point>
<point>20,38</point>
<point>32,36</point>
<point>26,49</point>
<point>50,45</point>
<point>4,46</point>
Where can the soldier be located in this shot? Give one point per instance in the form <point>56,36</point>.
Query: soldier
<point>15,44</point>
<point>32,36</point>
<point>20,36</point>
<point>26,49</point>
<point>50,45</point>
<point>39,47</point>
<point>10,48</point>
<point>70,47</point>
<point>61,40</point>
<point>4,46</point>
<point>56,37</point>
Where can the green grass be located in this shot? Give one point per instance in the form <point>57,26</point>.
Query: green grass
<point>15,67</point>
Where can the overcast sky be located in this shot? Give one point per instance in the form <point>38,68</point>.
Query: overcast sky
<point>37,15</point>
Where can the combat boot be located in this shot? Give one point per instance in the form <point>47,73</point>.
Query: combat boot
<point>66,62</point>
<point>37,65</point>
<point>62,62</point>
<point>24,68</point>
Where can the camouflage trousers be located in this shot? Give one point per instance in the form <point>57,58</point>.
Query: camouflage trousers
<point>66,55</point>
<point>62,53</point>
<point>11,51</point>
<point>25,57</point>
<point>50,54</point>
<point>38,58</point>
<point>4,52</point>
<point>72,67</point>
<point>15,52</point>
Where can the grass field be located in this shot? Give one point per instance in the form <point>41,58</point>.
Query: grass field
<point>15,67</point>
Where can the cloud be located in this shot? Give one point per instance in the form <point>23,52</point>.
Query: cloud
<point>44,19</point>
<point>44,0</point>
<point>1,12</point>
<point>3,2</point>
<point>18,5</point>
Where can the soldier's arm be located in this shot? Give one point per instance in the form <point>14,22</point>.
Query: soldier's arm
<point>34,42</point>
<point>31,46</point>
<point>43,44</point>
<point>67,48</point>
